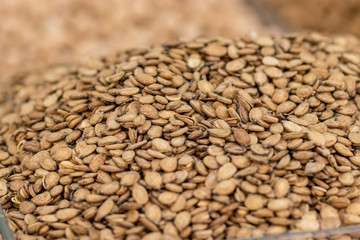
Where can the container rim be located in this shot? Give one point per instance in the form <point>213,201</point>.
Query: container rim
<point>5,230</point>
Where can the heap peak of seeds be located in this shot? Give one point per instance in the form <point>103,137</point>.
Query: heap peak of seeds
<point>206,139</point>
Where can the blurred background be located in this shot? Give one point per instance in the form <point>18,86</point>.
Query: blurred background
<point>37,33</point>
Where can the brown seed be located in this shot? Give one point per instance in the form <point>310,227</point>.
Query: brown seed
<point>96,162</point>
<point>42,199</point>
<point>169,164</point>
<point>281,187</point>
<point>109,188</point>
<point>215,50</point>
<point>149,111</point>
<point>225,187</point>
<point>182,220</point>
<point>351,219</point>
<point>279,204</point>
<point>353,208</point>
<point>340,148</point>
<point>205,86</point>
<point>273,72</point>
<point>105,209</point>
<point>51,180</point>
<point>140,194</point>
<point>317,137</point>
<point>63,154</point>
<point>84,149</point>
<point>27,207</point>
<point>167,198</point>
<point>220,133</point>
<point>314,167</point>
<point>346,179</point>
<point>354,137</point>
<point>34,162</point>
<point>235,65</point>
<point>153,180</point>
<point>194,61</point>
<point>4,155</point>
<point>3,188</point>
<point>308,222</point>
<point>270,61</point>
<point>241,137</point>
<point>128,91</point>
<point>145,78</point>
<point>272,140</point>
<point>129,178</point>
<point>254,202</point>
<point>161,145</point>
<point>291,127</point>
<point>226,171</point>
<point>48,164</point>
<point>285,107</point>
<point>153,212</point>
<point>67,214</point>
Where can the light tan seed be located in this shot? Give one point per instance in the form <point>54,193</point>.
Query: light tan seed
<point>270,61</point>
<point>279,204</point>
<point>343,150</point>
<point>317,137</point>
<point>161,145</point>
<point>167,198</point>
<point>51,180</point>
<point>302,109</point>
<point>129,178</point>
<point>96,162</point>
<point>48,164</point>
<point>205,86</point>
<point>226,171</point>
<point>346,179</point>
<point>26,207</point>
<point>255,201</point>
<point>105,209</point>
<point>312,168</point>
<point>215,50</point>
<point>273,72</point>
<point>153,212</point>
<point>291,127</point>
<point>354,137</point>
<point>194,61</point>
<point>67,214</point>
<point>149,111</point>
<point>145,78</point>
<point>235,65</point>
<point>4,155</point>
<point>128,91</point>
<point>220,133</point>
<point>285,107</point>
<point>169,164</point>
<point>42,199</point>
<point>271,140</point>
<point>140,194</point>
<point>225,187</point>
<point>109,188</point>
<point>281,187</point>
<point>353,208</point>
<point>182,220</point>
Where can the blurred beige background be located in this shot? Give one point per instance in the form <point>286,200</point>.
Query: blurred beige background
<point>34,33</point>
